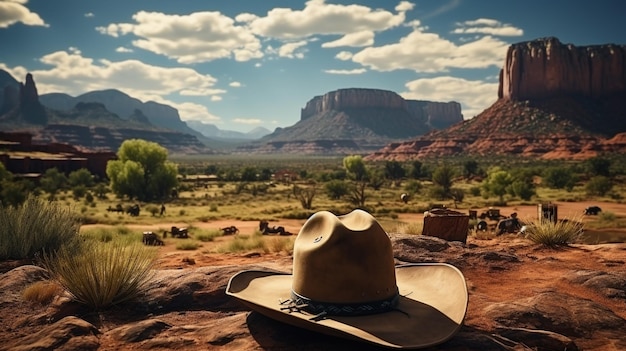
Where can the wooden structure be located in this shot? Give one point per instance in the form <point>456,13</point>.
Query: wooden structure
<point>547,212</point>
<point>446,224</point>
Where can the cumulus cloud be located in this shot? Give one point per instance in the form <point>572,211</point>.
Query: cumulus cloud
<point>74,74</point>
<point>488,26</point>
<point>346,71</point>
<point>235,84</point>
<point>193,38</point>
<point>318,17</point>
<point>292,50</point>
<point>344,55</point>
<point>15,11</point>
<point>122,49</point>
<point>358,39</point>
<point>428,52</point>
<point>473,95</point>
<point>89,14</point>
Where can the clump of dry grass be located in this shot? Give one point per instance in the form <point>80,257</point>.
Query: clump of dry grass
<point>552,234</point>
<point>42,292</point>
<point>99,274</point>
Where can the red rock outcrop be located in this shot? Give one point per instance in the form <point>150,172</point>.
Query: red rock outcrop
<point>546,68</point>
<point>555,101</point>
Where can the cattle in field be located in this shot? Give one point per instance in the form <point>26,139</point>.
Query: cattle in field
<point>133,210</point>
<point>404,197</point>
<point>592,210</point>
<point>265,228</point>
<point>230,230</point>
<point>150,238</point>
<point>179,232</point>
<point>509,225</point>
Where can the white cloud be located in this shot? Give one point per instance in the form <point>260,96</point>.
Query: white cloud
<point>235,84</point>
<point>357,39</point>
<point>488,26</point>
<point>216,98</point>
<point>74,74</point>
<point>291,50</point>
<point>345,71</point>
<point>428,52</point>
<point>122,49</point>
<point>193,38</point>
<point>247,120</point>
<point>344,55</point>
<point>317,17</point>
<point>89,15</point>
<point>473,95</point>
<point>14,11</point>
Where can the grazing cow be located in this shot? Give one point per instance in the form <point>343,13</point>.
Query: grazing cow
<point>404,197</point>
<point>118,208</point>
<point>133,210</point>
<point>230,230</point>
<point>179,232</point>
<point>150,238</point>
<point>593,210</point>
<point>509,225</point>
<point>264,227</point>
<point>482,226</point>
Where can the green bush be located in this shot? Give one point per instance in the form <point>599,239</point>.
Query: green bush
<point>35,226</point>
<point>552,234</point>
<point>101,275</point>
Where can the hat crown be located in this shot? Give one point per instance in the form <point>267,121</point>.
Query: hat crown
<point>343,259</point>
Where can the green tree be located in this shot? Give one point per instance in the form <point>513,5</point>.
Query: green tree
<point>470,168</point>
<point>416,170</point>
<point>248,174</point>
<point>394,171</point>
<point>81,177</point>
<point>355,166</point>
<point>142,171</point>
<point>497,182</point>
<point>559,178</point>
<point>52,181</point>
<point>599,166</point>
<point>598,185</point>
<point>336,189</point>
<point>443,176</point>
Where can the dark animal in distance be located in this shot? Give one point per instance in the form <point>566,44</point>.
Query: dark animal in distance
<point>264,227</point>
<point>150,238</point>
<point>404,197</point>
<point>230,230</point>
<point>178,233</point>
<point>118,208</point>
<point>133,210</point>
<point>593,210</point>
<point>509,225</point>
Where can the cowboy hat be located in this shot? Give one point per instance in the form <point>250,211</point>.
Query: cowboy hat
<point>345,283</point>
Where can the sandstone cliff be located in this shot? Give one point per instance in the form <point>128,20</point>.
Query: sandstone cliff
<point>355,121</point>
<point>555,101</point>
<point>547,68</point>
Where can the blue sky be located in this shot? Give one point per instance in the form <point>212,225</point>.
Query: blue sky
<point>240,64</point>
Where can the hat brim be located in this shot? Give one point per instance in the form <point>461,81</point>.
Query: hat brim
<point>432,306</point>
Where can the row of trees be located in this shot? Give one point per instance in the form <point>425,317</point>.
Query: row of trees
<point>143,172</point>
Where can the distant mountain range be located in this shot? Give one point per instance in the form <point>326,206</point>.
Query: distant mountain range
<point>212,131</point>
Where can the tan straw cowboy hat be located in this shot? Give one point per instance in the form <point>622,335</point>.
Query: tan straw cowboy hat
<point>345,283</point>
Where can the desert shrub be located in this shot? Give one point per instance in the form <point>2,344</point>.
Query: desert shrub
<point>34,226</point>
<point>279,244</point>
<point>607,216</point>
<point>552,234</point>
<point>42,292</point>
<point>598,185</point>
<point>187,245</point>
<point>208,236</point>
<point>101,275</point>
<point>244,243</point>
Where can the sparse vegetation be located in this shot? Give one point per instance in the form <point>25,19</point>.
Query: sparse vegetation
<point>34,226</point>
<point>101,275</point>
<point>552,234</point>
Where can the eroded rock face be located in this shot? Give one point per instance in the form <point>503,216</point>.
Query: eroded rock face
<point>546,68</point>
<point>437,115</point>
<point>187,309</point>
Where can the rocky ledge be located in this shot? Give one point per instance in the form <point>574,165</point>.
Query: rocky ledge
<point>522,297</point>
